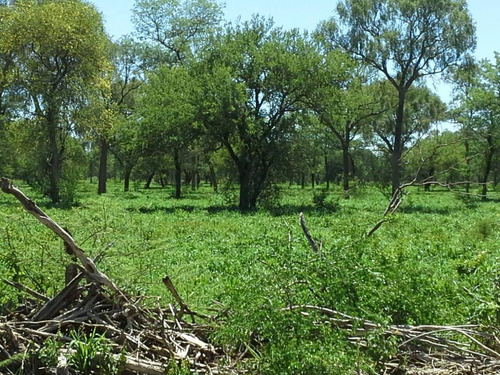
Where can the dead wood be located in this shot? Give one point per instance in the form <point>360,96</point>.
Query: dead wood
<point>426,349</point>
<point>24,288</point>
<point>311,241</point>
<point>151,337</point>
<point>88,264</point>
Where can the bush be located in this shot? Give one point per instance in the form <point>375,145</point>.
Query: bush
<point>322,199</point>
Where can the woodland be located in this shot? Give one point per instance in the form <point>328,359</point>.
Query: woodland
<point>240,198</point>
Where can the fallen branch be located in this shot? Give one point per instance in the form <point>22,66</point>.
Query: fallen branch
<point>24,288</point>
<point>88,264</point>
<point>311,241</point>
<point>424,345</point>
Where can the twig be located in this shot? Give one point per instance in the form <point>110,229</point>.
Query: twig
<point>26,289</point>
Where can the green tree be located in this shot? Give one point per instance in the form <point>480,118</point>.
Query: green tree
<point>345,104</point>
<point>178,27</point>
<point>256,79</point>
<point>60,49</point>
<point>423,109</point>
<point>168,114</point>
<point>405,41</point>
<point>438,158</point>
<point>10,99</point>
<point>465,79</point>
<point>128,77</point>
<point>486,122</point>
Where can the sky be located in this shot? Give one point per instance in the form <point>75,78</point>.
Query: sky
<point>306,15</point>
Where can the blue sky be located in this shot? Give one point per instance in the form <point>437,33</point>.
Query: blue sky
<point>307,14</point>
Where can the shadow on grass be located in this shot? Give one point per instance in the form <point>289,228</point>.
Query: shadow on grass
<point>283,210</point>
<point>161,209</point>
<point>428,210</point>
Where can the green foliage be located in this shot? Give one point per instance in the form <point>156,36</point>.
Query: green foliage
<point>175,368</point>
<point>49,352</point>
<point>323,199</point>
<point>92,354</point>
<point>424,266</point>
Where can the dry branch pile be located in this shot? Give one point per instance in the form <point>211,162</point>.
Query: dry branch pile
<point>147,340</point>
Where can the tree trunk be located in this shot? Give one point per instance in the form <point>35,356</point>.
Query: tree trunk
<point>55,163</point>
<point>193,180</point>
<point>213,176</point>
<point>345,169</point>
<point>178,175</point>
<point>467,165</point>
<point>398,142</point>
<point>149,180</point>
<point>487,166</point>
<point>327,177</point>
<point>126,178</point>
<point>244,172</point>
<point>103,167</point>
<point>313,179</point>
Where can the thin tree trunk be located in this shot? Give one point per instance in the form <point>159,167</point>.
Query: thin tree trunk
<point>327,177</point>
<point>213,176</point>
<point>178,173</point>
<point>149,180</point>
<point>398,142</point>
<point>103,167</point>
<point>126,178</point>
<point>467,166</point>
<point>345,169</point>
<point>55,164</point>
<point>244,172</point>
<point>487,167</point>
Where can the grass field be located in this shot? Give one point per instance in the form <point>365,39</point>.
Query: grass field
<point>434,262</point>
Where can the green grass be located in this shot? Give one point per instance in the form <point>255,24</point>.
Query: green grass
<point>434,262</point>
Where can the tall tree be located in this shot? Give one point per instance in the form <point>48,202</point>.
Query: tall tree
<point>127,78</point>
<point>61,53</point>
<point>405,41</point>
<point>422,109</point>
<point>178,27</point>
<point>255,81</point>
<point>345,103</point>
<point>465,78</point>
<point>168,114</point>
<point>486,123</point>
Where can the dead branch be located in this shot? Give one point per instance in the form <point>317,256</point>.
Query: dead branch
<point>91,269</point>
<point>311,241</point>
<point>424,346</point>
<point>24,288</point>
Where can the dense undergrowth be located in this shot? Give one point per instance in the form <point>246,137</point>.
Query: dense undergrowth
<point>434,262</point>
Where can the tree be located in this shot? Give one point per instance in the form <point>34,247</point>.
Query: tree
<point>423,109</point>
<point>465,79</point>
<point>405,41</point>
<point>178,27</point>
<point>345,104</point>
<point>168,114</point>
<point>255,81</point>
<point>60,49</point>
<point>486,122</point>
